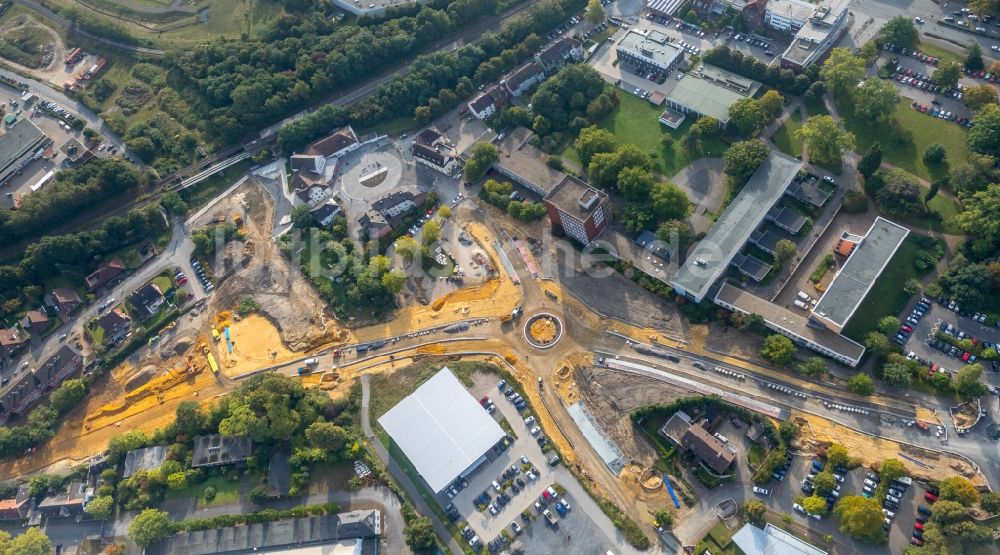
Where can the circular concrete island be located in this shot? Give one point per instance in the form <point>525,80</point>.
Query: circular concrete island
<point>543,330</point>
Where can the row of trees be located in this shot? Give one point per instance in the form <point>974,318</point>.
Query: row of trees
<point>572,99</point>
<point>283,80</point>
<point>43,421</point>
<point>750,115</point>
<point>498,193</point>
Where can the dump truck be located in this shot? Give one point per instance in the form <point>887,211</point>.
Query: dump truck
<point>212,364</point>
<point>215,334</point>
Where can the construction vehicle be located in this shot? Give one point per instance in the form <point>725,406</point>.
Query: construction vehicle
<point>211,363</point>
<point>215,334</point>
<point>305,370</point>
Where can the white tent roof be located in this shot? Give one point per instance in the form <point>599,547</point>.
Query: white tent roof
<point>442,429</point>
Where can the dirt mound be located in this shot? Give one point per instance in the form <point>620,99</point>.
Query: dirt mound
<point>140,378</point>
<point>257,270</point>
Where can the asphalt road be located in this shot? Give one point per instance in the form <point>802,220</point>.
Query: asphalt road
<point>932,13</point>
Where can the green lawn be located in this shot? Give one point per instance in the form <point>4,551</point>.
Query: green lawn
<point>755,455</point>
<point>886,296</point>
<point>908,155</point>
<point>129,256</point>
<point>816,108</point>
<point>199,195</point>
<point>226,492</point>
<point>394,126</point>
<point>784,138</point>
<point>943,54</point>
<point>636,122</point>
<point>96,332</point>
<point>945,209</point>
<point>164,282</point>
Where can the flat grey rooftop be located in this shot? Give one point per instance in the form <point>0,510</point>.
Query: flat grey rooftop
<point>786,319</point>
<point>710,91</point>
<point>869,259</point>
<point>709,259</point>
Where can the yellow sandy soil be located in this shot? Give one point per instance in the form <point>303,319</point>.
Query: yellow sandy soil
<point>255,340</point>
<point>873,451</point>
<point>543,330</point>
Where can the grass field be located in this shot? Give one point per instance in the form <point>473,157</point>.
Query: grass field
<point>946,210</point>
<point>784,138</point>
<point>226,492</point>
<point>636,122</point>
<point>908,155</point>
<point>887,295</point>
<point>200,194</point>
<point>164,281</point>
<point>817,108</point>
<point>943,54</point>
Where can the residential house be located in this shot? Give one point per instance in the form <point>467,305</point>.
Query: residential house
<point>17,507</point>
<point>146,300</point>
<point>311,188</point>
<point>439,158</point>
<point>27,387</point>
<point>58,367</point>
<point>388,212</point>
<point>12,339</point>
<point>308,162</point>
<point>325,213</point>
<point>338,143</point>
<point>65,300</point>
<point>554,56</point>
<point>487,102</point>
<point>35,321</point>
<point>67,503</point>
<point>708,448</point>
<point>22,392</point>
<point>523,78</point>
<point>115,324</point>
<point>431,136</point>
<point>216,450</point>
<point>104,273</point>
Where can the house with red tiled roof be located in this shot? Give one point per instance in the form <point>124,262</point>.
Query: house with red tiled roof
<point>338,143</point>
<point>35,321</point>
<point>16,507</point>
<point>65,300</point>
<point>11,339</point>
<point>104,273</point>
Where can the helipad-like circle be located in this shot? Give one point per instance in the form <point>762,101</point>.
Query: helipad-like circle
<point>543,330</point>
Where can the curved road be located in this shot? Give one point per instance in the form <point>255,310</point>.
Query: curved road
<point>74,28</point>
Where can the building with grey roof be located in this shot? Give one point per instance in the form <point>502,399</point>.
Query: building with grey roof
<point>442,430</point>
<point>857,276</point>
<point>579,209</point>
<point>817,27</point>
<point>809,194</point>
<point>796,327</point>
<point>765,241</point>
<point>772,540</point>
<point>272,536</point>
<point>710,91</point>
<point>707,261</point>
<point>146,458</point>
<point>648,53</point>
<point>18,145</point>
<point>786,218</point>
<point>524,164</point>
<point>751,266</point>
<point>216,450</point>
<point>562,51</point>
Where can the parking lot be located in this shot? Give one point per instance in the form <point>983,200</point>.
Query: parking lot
<point>908,76</point>
<point>922,337</point>
<point>582,526</point>
<point>20,184</point>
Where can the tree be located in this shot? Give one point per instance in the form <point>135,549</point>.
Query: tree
<point>815,505</point>
<point>842,70</point>
<point>967,378</point>
<point>177,481</point>
<point>980,220</point>
<point>100,507</point>
<point>32,542</point>
<point>891,469</point>
<point>773,103</point>
<point>900,31</point>
<point>947,75</point>
<point>302,216</point>
<point>749,116</point>
<point>635,183</point>
<point>67,395</point>
<point>788,430</point>
<point>837,455</point>
<point>174,204</point>
<point>861,384</point>
<point>419,533</point>
<point>669,202</point>
<point>149,527</point>
<point>934,155</point>
<point>990,502</point>
<point>595,12</point>
<point>755,512</point>
<point>784,251</point>
<point>984,137</point>
<point>593,140</point>
<point>680,229</point>
<point>860,518</point>
<point>898,192</point>
<point>824,483</point>
<point>982,7</point>
<point>431,232</point>
<point>189,419</point>
<point>743,158</point>
<point>887,324</point>
<point>878,344</point>
<point>604,167</point>
<point>974,57</point>
<point>825,139</point>
<point>958,489</point>
<point>897,374</point>
<point>977,96</point>
<point>444,212</point>
<point>778,349</point>
<point>815,366</point>
<point>123,443</point>
<point>871,161</point>
<point>393,282</point>
<point>327,436</point>
<point>705,126</point>
<point>664,518</point>
<point>875,99</point>
<point>482,157</point>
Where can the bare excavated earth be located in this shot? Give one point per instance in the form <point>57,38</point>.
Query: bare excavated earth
<point>256,269</point>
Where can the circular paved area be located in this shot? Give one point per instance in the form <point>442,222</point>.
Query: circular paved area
<point>543,330</point>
